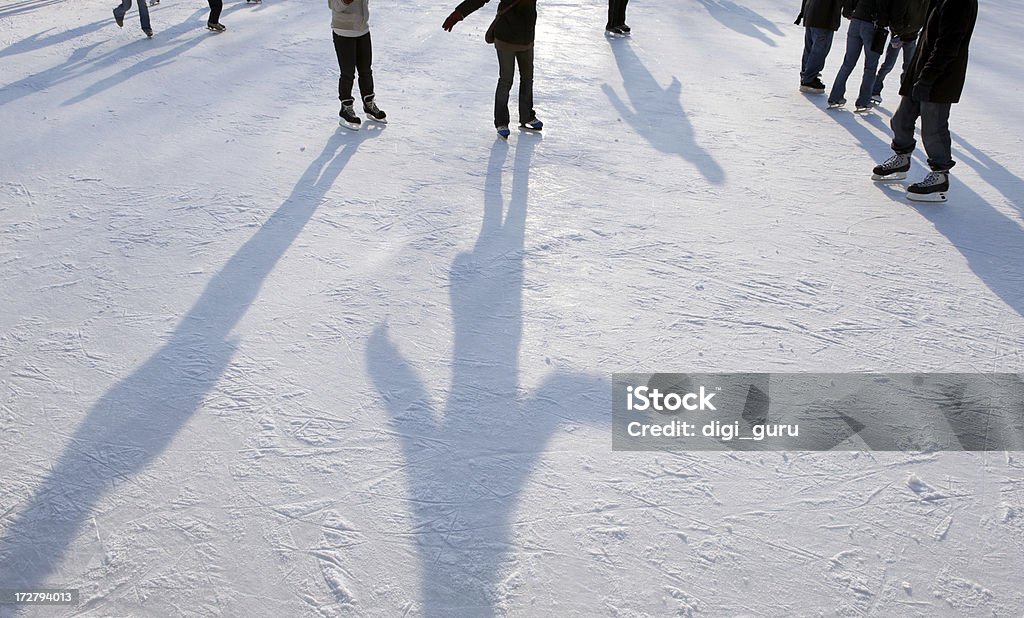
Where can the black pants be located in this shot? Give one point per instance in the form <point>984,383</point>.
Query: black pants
<point>616,13</point>
<point>506,72</point>
<point>215,7</point>
<point>934,131</point>
<point>354,54</point>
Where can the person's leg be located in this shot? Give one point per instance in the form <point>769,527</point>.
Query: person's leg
<point>817,43</point>
<point>364,61</point>
<point>144,14</point>
<point>506,72</point>
<point>345,49</point>
<point>854,43</point>
<point>867,82</point>
<point>215,8</point>
<point>121,9</point>
<point>935,135</point>
<point>891,54</point>
<point>902,125</point>
<point>612,11</point>
<point>525,61</point>
<point>622,12</point>
<point>908,56</point>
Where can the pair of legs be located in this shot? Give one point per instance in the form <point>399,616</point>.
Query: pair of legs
<point>889,62</point>
<point>858,38</point>
<point>355,54</point>
<point>122,8</point>
<point>616,13</point>
<point>507,61</point>
<point>817,43</point>
<point>215,8</point>
<point>934,131</point>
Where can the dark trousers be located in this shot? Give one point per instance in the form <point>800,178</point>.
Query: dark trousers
<point>121,9</point>
<point>215,7</point>
<point>616,13</point>
<point>934,131</point>
<point>506,72</point>
<point>355,53</point>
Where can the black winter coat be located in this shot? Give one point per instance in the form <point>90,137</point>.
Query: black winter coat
<point>517,25</point>
<point>822,13</point>
<point>906,18</point>
<point>940,62</point>
<point>875,11</point>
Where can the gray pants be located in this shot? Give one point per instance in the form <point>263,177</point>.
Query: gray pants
<point>934,131</point>
<point>506,72</point>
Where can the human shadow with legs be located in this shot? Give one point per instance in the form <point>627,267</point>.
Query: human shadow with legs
<point>657,113</point>
<point>40,40</point>
<point>744,20</point>
<point>468,461</point>
<point>135,421</point>
<point>991,242</point>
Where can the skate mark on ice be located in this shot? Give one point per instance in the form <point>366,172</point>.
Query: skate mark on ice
<point>138,417</point>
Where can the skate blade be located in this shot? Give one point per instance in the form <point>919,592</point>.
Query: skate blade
<point>810,90</point>
<point>863,110</point>
<point>377,120</point>
<point>938,196</point>
<point>348,125</point>
<point>890,177</point>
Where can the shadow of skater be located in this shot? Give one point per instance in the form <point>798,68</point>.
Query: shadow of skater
<point>468,463</point>
<point>744,20</point>
<point>657,113</point>
<point>991,242</point>
<point>136,419</point>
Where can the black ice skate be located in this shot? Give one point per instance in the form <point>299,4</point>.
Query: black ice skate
<point>348,119</point>
<point>894,168</point>
<point>933,188</point>
<point>215,27</point>
<point>375,113</point>
<point>815,86</point>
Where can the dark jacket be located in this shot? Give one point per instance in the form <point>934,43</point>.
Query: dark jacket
<point>516,25</point>
<point>906,18</point>
<point>875,11</point>
<point>940,63</point>
<point>822,13</point>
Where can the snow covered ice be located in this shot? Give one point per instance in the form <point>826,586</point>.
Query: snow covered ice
<point>256,365</point>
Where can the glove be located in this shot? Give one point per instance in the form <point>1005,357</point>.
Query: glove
<point>922,91</point>
<point>453,19</point>
<point>897,42</point>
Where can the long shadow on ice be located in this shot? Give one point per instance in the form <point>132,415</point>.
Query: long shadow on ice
<point>139,416</point>
<point>744,20</point>
<point>657,113</point>
<point>991,242</point>
<point>469,459</point>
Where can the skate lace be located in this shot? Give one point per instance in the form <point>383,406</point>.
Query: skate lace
<point>933,178</point>
<point>371,107</point>
<point>893,162</point>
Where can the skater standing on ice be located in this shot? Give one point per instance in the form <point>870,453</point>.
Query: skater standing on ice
<point>906,18</point>
<point>617,18</point>
<point>121,9</point>
<point>513,33</point>
<point>933,82</point>
<point>821,20</point>
<point>351,24</point>
<point>867,32</point>
<point>213,23</point>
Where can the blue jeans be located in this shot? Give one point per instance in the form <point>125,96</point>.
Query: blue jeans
<point>121,9</point>
<point>817,42</point>
<point>934,131</point>
<point>890,61</point>
<point>858,38</point>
